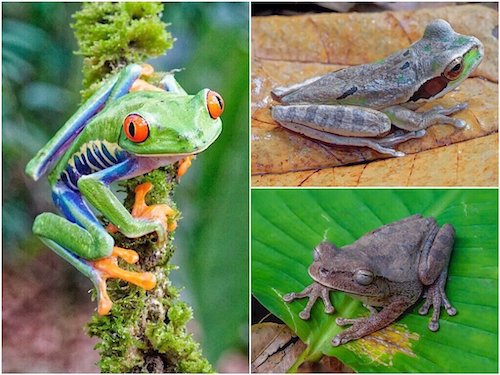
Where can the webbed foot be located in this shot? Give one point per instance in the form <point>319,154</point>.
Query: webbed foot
<point>141,85</point>
<point>313,292</point>
<point>106,268</point>
<point>439,114</point>
<point>436,297</point>
<point>159,212</point>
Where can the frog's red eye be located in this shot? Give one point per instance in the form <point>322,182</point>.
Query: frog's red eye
<point>136,128</point>
<point>215,104</point>
<point>454,69</point>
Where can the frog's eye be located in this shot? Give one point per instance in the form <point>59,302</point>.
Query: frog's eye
<point>136,128</point>
<point>454,69</point>
<point>215,104</point>
<point>363,277</point>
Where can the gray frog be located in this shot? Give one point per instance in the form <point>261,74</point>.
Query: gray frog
<point>386,268</point>
<point>356,106</point>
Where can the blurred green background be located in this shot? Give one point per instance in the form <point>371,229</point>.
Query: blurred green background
<point>41,83</point>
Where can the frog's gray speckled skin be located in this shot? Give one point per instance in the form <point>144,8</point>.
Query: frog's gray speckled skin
<point>351,105</point>
<point>388,268</point>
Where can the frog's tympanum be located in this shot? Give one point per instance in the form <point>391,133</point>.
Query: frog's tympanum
<point>387,269</point>
<point>356,106</point>
<point>126,129</point>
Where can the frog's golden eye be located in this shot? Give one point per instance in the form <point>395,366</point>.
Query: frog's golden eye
<point>454,69</point>
<point>363,277</point>
<point>136,128</point>
<point>215,104</point>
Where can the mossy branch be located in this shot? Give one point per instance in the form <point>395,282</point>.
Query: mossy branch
<point>145,331</point>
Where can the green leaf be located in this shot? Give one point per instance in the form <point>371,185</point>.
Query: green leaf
<point>287,224</point>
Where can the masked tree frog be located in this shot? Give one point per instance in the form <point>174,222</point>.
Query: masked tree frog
<point>126,129</point>
<point>356,106</point>
<point>386,269</point>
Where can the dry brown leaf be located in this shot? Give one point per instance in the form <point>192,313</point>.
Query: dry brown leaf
<point>470,163</point>
<point>290,49</point>
<point>274,348</point>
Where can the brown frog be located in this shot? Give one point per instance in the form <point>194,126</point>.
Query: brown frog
<point>387,268</point>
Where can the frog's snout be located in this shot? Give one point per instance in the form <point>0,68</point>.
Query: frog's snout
<point>215,104</point>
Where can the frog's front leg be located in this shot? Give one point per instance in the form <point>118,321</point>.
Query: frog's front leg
<point>376,321</point>
<point>342,125</point>
<point>95,188</point>
<point>407,119</point>
<point>433,271</point>
<point>313,292</point>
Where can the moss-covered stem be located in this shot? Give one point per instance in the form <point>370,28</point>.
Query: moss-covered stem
<point>145,331</point>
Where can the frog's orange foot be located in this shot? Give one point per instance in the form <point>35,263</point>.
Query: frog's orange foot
<point>108,268</point>
<point>184,165</point>
<point>160,212</point>
<point>140,84</point>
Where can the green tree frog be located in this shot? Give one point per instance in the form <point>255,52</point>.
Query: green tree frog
<point>127,128</point>
<point>356,106</point>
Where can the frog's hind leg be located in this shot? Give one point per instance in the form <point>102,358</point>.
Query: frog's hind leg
<point>342,140</point>
<point>433,271</point>
<point>82,241</point>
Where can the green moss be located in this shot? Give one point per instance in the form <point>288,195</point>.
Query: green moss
<point>145,331</point>
<point>112,35</point>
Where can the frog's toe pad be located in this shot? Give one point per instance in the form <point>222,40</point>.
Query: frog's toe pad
<point>329,309</point>
<point>305,315</point>
<point>339,340</point>
<point>289,297</point>
<point>451,311</point>
<point>433,326</point>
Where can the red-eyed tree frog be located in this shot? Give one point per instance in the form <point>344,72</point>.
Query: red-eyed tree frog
<point>126,129</point>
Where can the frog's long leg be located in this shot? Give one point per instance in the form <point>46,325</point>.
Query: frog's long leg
<point>364,326</point>
<point>115,87</point>
<point>81,240</point>
<point>433,271</point>
<point>95,188</point>
<point>313,292</point>
<point>337,125</point>
<point>407,119</point>
<point>340,140</point>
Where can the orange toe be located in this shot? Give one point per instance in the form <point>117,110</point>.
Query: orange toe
<point>160,212</point>
<point>108,268</point>
<point>141,85</point>
<point>104,303</point>
<point>129,256</point>
<point>184,165</point>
